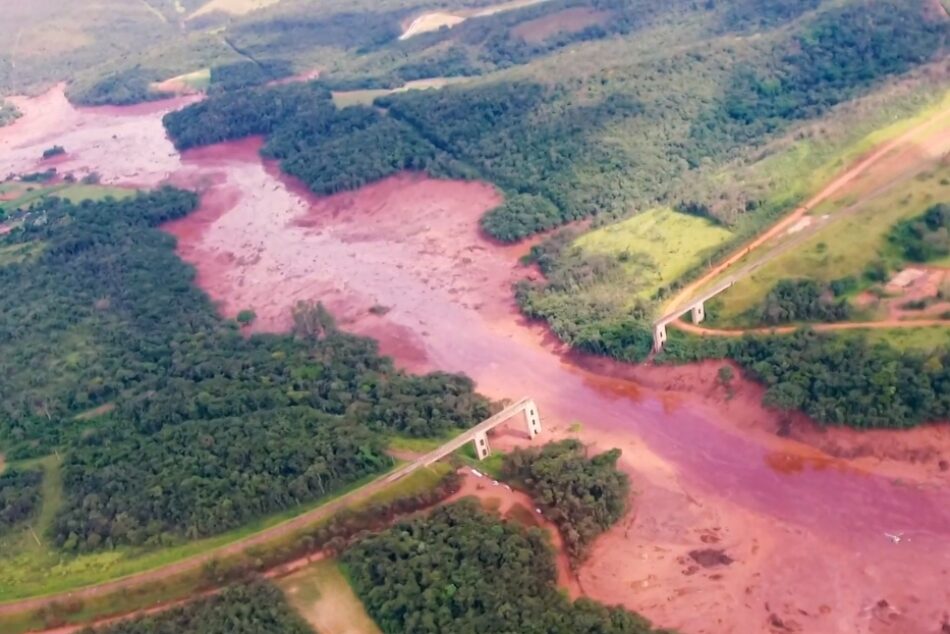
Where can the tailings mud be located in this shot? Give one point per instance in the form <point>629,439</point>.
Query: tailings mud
<point>831,545</point>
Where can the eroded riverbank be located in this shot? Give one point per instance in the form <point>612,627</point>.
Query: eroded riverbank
<point>403,261</point>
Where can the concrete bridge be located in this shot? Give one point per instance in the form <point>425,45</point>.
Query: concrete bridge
<point>696,307</point>
<point>478,435</point>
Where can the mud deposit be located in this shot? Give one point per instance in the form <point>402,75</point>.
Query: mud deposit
<point>819,544</point>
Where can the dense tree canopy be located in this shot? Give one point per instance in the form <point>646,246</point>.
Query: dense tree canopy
<point>252,608</point>
<point>840,53</point>
<point>460,570</point>
<point>247,73</point>
<point>329,149</point>
<point>926,237</point>
<point>834,379</point>
<point>584,496</point>
<point>803,300</point>
<point>197,428</point>
<point>19,496</point>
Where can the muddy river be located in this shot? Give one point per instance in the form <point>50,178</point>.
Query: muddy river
<point>817,543</point>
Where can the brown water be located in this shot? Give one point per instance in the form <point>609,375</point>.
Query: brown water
<point>811,541</point>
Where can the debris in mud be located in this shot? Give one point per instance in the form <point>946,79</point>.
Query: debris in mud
<point>379,310</point>
<point>710,557</point>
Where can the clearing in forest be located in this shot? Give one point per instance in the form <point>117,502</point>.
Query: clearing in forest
<point>567,21</point>
<point>232,7</point>
<point>657,246</point>
<point>322,595</point>
<point>185,84</point>
<point>435,20</point>
<point>345,98</point>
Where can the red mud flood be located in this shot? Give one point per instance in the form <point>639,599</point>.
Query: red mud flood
<point>819,544</point>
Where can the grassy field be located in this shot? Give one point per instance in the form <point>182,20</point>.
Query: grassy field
<point>322,595</point>
<point>345,98</point>
<point>28,193</point>
<point>922,339</point>
<point>657,246</point>
<point>845,246</point>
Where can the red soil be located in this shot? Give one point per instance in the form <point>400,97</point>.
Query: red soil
<point>566,21</point>
<point>806,530</point>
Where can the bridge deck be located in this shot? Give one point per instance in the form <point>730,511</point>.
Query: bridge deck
<point>461,440</point>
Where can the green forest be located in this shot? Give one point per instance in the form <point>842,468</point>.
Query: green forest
<point>461,570</point>
<point>926,237</point>
<point>802,300</point>
<point>541,141</point>
<point>256,607</point>
<point>327,148</point>
<point>173,424</point>
<point>835,380</point>
<point>19,496</point>
<point>583,495</point>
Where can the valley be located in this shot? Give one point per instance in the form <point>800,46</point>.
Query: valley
<point>266,255</point>
<point>372,250</point>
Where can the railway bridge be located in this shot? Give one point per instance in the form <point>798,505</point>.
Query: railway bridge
<point>478,435</point>
<point>697,308</point>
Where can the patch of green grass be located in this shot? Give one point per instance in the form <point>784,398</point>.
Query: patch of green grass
<point>16,253</point>
<point>72,192</point>
<point>657,246</point>
<point>323,596</point>
<point>921,339</point>
<point>345,98</point>
<point>417,445</point>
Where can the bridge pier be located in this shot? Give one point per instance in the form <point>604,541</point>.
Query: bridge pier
<point>698,312</point>
<point>482,448</point>
<point>532,420</point>
<point>659,337</point>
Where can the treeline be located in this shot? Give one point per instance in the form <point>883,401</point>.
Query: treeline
<point>460,570</point>
<point>583,495</point>
<point>257,607</point>
<point>837,380</point>
<point>19,496</point>
<point>797,300</point>
<point>209,428</point>
<point>331,150</point>
<point>120,88</point>
<point>839,54</point>
<point>926,237</point>
<point>247,73</point>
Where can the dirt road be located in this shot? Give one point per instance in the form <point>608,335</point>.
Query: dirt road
<point>686,296</point>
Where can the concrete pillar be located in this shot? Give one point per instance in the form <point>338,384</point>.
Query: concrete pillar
<point>698,313</point>
<point>659,337</point>
<point>532,418</point>
<point>482,450</point>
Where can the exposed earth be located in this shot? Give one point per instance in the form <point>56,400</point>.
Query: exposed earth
<point>827,532</point>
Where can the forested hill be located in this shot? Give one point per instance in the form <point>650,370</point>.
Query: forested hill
<point>598,140</point>
<point>187,428</point>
